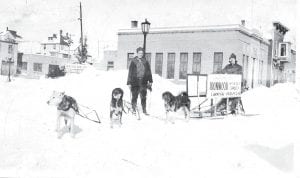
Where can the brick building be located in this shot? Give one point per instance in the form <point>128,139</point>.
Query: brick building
<point>178,51</point>
<point>175,52</point>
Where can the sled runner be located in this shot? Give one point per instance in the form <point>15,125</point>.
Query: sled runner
<point>216,95</point>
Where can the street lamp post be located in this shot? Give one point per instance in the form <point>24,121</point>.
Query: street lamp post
<point>145,29</point>
<point>9,62</point>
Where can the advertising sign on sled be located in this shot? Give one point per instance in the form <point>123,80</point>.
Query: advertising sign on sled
<point>223,85</point>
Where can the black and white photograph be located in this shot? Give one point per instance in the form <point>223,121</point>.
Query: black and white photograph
<point>149,89</point>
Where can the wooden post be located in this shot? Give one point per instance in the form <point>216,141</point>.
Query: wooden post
<point>212,113</point>
<point>227,106</point>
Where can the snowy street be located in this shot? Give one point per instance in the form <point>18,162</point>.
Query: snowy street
<point>236,146</point>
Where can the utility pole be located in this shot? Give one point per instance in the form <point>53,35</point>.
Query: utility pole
<point>81,41</point>
<point>9,63</point>
<point>98,48</point>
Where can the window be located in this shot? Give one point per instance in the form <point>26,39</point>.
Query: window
<point>196,63</point>
<point>24,66</point>
<point>170,65</point>
<point>10,49</point>
<point>183,65</point>
<point>158,63</point>
<point>218,62</point>
<point>148,58</point>
<point>282,49</point>
<point>65,56</point>
<point>110,65</point>
<point>37,67</point>
<point>130,56</point>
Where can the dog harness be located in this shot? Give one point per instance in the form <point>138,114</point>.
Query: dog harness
<point>67,103</point>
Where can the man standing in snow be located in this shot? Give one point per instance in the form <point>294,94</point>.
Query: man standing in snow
<point>139,79</point>
<point>232,68</point>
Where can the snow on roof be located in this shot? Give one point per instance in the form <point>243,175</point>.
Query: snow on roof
<point>185,29</point>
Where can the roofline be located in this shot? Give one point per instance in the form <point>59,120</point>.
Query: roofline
<point>8,42</point>
<point>178,29</point>
<point>193,29</point>
<point>281,25</point>
<point>51,43</point>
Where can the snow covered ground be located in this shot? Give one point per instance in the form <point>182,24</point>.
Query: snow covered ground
<point>236,146</point>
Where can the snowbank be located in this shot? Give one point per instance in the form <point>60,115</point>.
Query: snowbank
<point>258,146</point>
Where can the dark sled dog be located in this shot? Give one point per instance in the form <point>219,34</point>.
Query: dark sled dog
<point>116,106</point>
<point>67,108</point>
<point>174,103</point>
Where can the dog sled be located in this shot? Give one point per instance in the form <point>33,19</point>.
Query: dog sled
<point>215,95</point>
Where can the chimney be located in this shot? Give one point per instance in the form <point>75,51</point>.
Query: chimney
<point>60,32</point>
<point>243,22</point>
<point>67,35</point>
<point>6,28</point>
<point>134,24</point>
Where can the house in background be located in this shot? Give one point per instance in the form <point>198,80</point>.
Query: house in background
<point>37,65</point>
<point>57,45</point>
<point>55,53</point>
<point>8,52</point>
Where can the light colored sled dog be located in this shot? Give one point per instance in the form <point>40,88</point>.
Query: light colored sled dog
<point>67,108</point>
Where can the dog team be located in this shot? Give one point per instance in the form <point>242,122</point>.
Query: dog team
<point>139,81</point>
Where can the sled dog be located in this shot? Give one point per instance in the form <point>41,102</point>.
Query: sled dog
<point>67,108</point>
<point>173,103</point>
<point>116,106</point>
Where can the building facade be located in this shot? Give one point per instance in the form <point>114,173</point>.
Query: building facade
<point>8,52</point>
<point>175,52</point>
<point>37,65</point>
<point>55,53</point>
<point>283,57</point>
<point>57,45</point>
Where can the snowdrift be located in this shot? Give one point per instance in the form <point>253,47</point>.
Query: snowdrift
<point>236,146</point>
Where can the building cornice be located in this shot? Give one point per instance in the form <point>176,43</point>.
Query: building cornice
<point>196,29</point>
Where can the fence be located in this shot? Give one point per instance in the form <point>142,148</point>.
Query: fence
<point>75,68</point>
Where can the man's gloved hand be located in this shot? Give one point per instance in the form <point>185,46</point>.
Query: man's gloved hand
<point>149,86</point>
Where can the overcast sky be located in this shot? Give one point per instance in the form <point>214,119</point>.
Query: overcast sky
<point>35,20</point>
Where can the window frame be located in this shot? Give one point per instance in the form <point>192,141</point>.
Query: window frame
<point>171,66</point>
<point>37,66</point>
<point>218,66</point>
<point>183,73</point>
<point>194,68</point>
<point>159,67</point>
